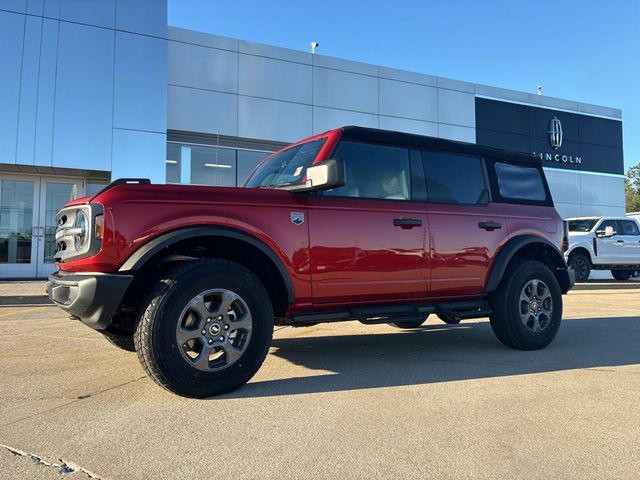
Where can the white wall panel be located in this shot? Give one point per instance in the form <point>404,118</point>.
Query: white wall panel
<point>350,91</point>
<point>328,118</point>
<point>456,108</point>
<point>29,90</point>
<point>35,7</point>
<point>11,35</point>
<point>273,120</point>
<point>269,51</point>
<point>564,185</point>
<point>410,126</point>
<point>84,98</point>
<point>140,95</point>
<point>202,111</point>
<point>101,13</point>
<point>275,79</point>
<point>203,67</point>
<point>139,154</point>
<point>601,190</point>
<point>456,132</point>
<point>568,210</point>
<point>408,100</point>
<point>18,6</point>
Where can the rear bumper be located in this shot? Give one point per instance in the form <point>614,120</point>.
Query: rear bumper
<point>91,297</point>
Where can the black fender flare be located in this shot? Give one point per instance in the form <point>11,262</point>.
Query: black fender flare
<point>149,249</point>
<point>512,247</point>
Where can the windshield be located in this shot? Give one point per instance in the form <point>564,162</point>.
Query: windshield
<point>287,167</point>
<point>582,225</point>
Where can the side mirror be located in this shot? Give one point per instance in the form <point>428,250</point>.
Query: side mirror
<point>323,176</point>
<point>606,233</point>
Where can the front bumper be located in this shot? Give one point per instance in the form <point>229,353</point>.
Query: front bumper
<point>91,297</point>
<point>572,277</point>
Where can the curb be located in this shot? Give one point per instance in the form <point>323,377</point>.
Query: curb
<point>19,300</point>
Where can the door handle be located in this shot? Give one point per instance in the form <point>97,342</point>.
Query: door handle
<point>407,222</point>
<point>490,226</point>
<point>619,241</point>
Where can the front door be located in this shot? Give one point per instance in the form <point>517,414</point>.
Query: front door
<point>610,249</point>
<point>28,206</point>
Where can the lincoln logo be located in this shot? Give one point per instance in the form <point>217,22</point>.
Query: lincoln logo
<point>555,133</point>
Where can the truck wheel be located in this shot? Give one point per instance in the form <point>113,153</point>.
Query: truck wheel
<point>581,265</point>
<point>123,342</point>
<point>527,307</point>
<point>206,328</point>
<point>409,325</point>
<point>622,275</point>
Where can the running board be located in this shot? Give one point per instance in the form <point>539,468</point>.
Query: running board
<point>449,312</point>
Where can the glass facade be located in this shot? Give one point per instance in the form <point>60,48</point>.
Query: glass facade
<point>210,165</point>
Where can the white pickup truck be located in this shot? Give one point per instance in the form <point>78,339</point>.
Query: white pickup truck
<point>604,243</point>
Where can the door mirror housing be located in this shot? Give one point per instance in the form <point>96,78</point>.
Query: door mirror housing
<point>323,176</point>
<point>606,233</point>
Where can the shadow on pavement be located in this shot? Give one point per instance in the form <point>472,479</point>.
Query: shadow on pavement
<point>435,353</point>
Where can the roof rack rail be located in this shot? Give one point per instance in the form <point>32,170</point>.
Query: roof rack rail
<point>122,181</point>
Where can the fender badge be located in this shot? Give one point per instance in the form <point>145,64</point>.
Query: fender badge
<point>297,218</point>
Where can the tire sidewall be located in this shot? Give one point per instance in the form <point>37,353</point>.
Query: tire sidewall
<point>575,257</point>
<point>520,277</point>
<point>166,350</point>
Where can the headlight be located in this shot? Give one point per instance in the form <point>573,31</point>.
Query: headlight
<point>81,226</point>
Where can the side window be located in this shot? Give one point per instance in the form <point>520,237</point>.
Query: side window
<point>609,223</point>
<point>454,178</point>
<point>373,171</point>
<point>517,182</point>
<point>628,227</point>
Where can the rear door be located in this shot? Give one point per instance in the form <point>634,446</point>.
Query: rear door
<point>465,227</point>
<point>629,233</point>
<point>368,238</point>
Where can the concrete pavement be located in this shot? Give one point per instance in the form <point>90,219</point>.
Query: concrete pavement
<point>335,401</point>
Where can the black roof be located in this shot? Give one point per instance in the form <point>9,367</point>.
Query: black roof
<point>376,135</point>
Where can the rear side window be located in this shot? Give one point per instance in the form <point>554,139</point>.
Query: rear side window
<point>373,171</point>
<point>628,227</point>
<point>455,179</point>
<point>520,183</point>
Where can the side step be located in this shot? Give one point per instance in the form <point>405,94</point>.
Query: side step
<point>449,312</point>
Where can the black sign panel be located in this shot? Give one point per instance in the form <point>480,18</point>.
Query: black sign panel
<point>587,143</point>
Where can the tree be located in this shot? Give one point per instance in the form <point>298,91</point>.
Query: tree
<point>632,189</point>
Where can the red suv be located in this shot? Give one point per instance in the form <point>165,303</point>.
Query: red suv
<point>352,224</point>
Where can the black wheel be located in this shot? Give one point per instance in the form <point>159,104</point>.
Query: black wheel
<point>409,325</point>
<point>206,328</point>
<point>527,307</point>
<point>581,265</point>
<point>124,342</point>
<point>622,275</point>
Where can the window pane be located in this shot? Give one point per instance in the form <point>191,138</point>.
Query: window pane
<point>213,166</point>
<point>94,186</point>
<point>454,178</point>
<point>520,182</point>
<point>609,223</point>
<point>373,171</point>
<point>629,227</point>
<point>16,221</point>
<point>173,163</point>
<point>247,161</point>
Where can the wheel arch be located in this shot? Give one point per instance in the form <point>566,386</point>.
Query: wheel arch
<point>583,250</point>
<point>529,247</point>
<point>188,243</point>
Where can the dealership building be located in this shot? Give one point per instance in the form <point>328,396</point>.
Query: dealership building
<point>94,90</point>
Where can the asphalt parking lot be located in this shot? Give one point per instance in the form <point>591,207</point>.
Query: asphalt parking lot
<point>335,401</point>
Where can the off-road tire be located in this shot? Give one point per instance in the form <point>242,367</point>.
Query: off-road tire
<point>409,325</point>
<point>622,275</point>
<point>123,342</point>
<point>155,335</point>
<point>506,303</point>
<point>580,264</point>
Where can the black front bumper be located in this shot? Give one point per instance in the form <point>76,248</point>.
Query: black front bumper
<point>91,297</point>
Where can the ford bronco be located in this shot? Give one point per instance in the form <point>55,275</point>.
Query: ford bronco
<point>352,224</point>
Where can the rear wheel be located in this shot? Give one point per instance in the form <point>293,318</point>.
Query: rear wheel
<point>622,275</point>
<point>527,307</point>
<point>206,328</point>
<point>581,265</point>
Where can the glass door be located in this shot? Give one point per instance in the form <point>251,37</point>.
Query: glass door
<point>19,228</point>
<point>54,193</point>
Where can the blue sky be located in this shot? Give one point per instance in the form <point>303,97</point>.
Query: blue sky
<point>588,50</point>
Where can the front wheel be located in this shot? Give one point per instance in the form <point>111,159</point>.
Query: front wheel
<point>206,328</point>
<point>581,265</point>
<point>527,307</point>
<point>622,275</point>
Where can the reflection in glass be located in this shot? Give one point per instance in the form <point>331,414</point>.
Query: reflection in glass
<point>57,195</point>
<point>16,221</point>
<point>247,161</point>
<point>213,166</point>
